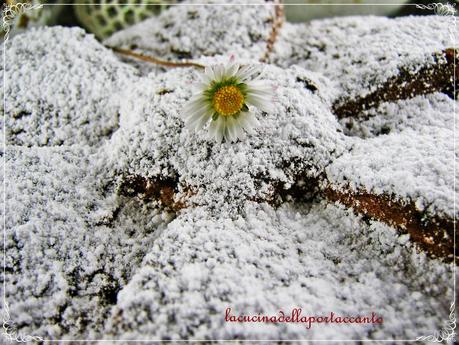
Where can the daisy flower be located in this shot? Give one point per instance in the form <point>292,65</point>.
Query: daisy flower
<point>226,98</point>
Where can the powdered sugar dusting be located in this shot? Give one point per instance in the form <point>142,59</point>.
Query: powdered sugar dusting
<point>71,242</point>
<point>413,165</point>
<point>192,31</point>
<point>299,136</point>
<point>429,113</point>
<point>268,260</point>
<point>63,91</point>
<point>83,261</point>
<point>362,54</point>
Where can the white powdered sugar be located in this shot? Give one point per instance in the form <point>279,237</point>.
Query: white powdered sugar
<point>360,54</point>
<point>413,165</point>
<point>71,243</point>
<point>62,89</point>
<point>408,151</point>
<point>427,113</point>
<point>197,29</point>
<point>322,259</point>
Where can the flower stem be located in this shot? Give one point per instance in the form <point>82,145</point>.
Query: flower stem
<point>153,59</point>
<point>278,20</point>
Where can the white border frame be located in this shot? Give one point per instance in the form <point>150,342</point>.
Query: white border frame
<point>11,11</point>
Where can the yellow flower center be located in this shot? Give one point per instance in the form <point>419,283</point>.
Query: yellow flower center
<point>228,100</point>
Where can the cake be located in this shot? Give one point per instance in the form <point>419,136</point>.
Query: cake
<point>123,224</point>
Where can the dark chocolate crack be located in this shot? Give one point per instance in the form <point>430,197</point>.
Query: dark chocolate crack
<point>433,234</point>
<point>440,76</point>
<point>162,190</point>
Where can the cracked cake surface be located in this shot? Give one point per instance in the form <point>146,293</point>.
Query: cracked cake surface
<point>177,33</point>
<point>59,92</point>
<point>361,54</point>
<point>296,140</point>
<point>67,257</point>
<point>268,260</point>
<point>415,165</point>
<point>93,253</point>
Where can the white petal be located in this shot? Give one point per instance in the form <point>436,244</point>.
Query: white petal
<point>207,112</point>
<point>202,85</point>
<point>209,72</point>
<point>241,135</point>
<point>252,120</point>
<point>193,117</point>
<point>221,129</point>
<point>198,120</point>
<point>244,122</point>
<point>213,129</point>
<point>261,96</point>
<point>219,69</point>
<point>191,122</point>
<point>242,72</point>
<point>232,70</point>
<point>231,128</point>
<point>261,103</point>
<point>261,72</point>
<point>195,99</point>
<point>246,73</point>
<point>202,121</point>
<point>259,86</point>
<point>267,107</point>
<point>204,79</point>
<point>195,106</point>
<point>198,97</point>
<point>192,113</point>
<point>238,129</point>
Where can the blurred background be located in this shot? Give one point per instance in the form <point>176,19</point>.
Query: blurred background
<point>104,17</point>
